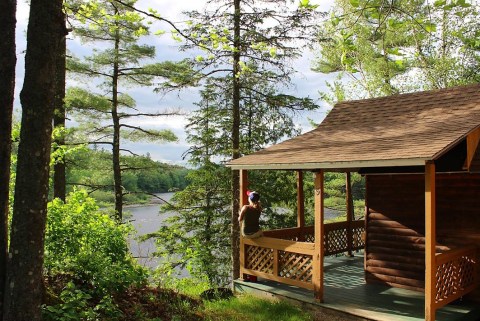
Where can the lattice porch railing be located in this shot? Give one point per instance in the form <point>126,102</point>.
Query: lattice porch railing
<point>285,255</point>
<point>456,275</point>
<point>279,260</point>
<point>335,239</point>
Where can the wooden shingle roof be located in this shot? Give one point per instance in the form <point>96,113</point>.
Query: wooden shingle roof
<point>399,130</point>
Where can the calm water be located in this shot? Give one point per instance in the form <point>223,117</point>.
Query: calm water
<point>147,219</point>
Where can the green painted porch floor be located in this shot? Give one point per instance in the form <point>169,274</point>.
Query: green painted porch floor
<point>346,291</point>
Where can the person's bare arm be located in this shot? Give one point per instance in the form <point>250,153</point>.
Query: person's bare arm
<point>242,213</point>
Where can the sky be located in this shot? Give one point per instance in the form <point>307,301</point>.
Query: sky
<point>306,83</point>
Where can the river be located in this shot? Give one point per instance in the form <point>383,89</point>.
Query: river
<point>146,219</point>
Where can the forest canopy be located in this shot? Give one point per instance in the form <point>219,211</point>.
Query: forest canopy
<point>89,65</point>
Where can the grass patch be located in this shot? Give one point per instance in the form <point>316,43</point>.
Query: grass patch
<point>250,308</point>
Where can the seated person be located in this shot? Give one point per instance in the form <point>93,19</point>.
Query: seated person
<point>250,215</point>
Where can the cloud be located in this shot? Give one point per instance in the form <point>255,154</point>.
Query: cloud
<point>170,153</point>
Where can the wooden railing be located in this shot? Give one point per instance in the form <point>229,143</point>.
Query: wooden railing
<point>335,239</point>
<point>279,260</point>
<point>300,234</point>
<point>456,275</point>
<point>286,255</point>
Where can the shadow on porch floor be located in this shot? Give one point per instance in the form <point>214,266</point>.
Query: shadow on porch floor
<point>346,293</point>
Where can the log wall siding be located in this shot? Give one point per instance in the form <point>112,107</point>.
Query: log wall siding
<point>395,220</point>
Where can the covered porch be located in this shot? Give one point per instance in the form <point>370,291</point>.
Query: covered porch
<point>419,277</point>
<point>420,156</point>
<point>348,297</point>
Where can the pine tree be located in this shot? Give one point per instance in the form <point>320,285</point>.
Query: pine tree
<point>117,27</point>
<point>201,225</point>
<point>241,37</point>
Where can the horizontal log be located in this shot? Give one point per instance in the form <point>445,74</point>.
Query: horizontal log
<point>420,261</point>
<point>415,275</point>
<point>394,208</point>
<point>398,280</point>
<point>382,217</point>
<point>463,239</point>
<point>393,237</point>
<point>416,226</point>
<point>395,245</point>
<point>396,265</point>
<point>390,231</point>
<point>396,251</point>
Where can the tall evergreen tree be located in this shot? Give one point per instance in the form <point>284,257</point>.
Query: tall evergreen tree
<point>24,289</point>
<point>201,225</point>
<point>117,27</point>
<point>247,37</point>
<point>8,61</point>
<point>198,235</point>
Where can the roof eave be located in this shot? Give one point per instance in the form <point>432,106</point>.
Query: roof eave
<point>333,165</point>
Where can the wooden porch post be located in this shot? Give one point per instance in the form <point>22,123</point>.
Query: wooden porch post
<point>243,201</point>
<point>350,213</point>
<point>319,237</point>
<point>430,241</point>
<point>300,200</point>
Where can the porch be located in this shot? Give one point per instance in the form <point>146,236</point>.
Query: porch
<point>348,297</point>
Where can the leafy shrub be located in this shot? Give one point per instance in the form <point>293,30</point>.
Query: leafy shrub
<point>74,306</point>
<point>87,250</point>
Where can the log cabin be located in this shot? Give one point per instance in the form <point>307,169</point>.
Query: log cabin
<point>420,156</point>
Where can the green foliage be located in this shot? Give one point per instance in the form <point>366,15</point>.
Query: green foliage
<point>400,46</point>
<point>335,193</point>
<point>119,59</point>
<point>85,100</point>
<point>86,243</point>
<point>74,306</point>
<point>150,135</point>
<point>87,247</point>
<point>179,74</point>
<point>197,238</point>
<point>278,191</point>
<point>61,152</point>
<point>92,169</point>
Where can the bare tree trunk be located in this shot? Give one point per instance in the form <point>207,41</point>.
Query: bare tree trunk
<point>117,171</point>
<point>59,178</point>
<point>24,286</point>
<point>8,61</point>
<point>236,145</point>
